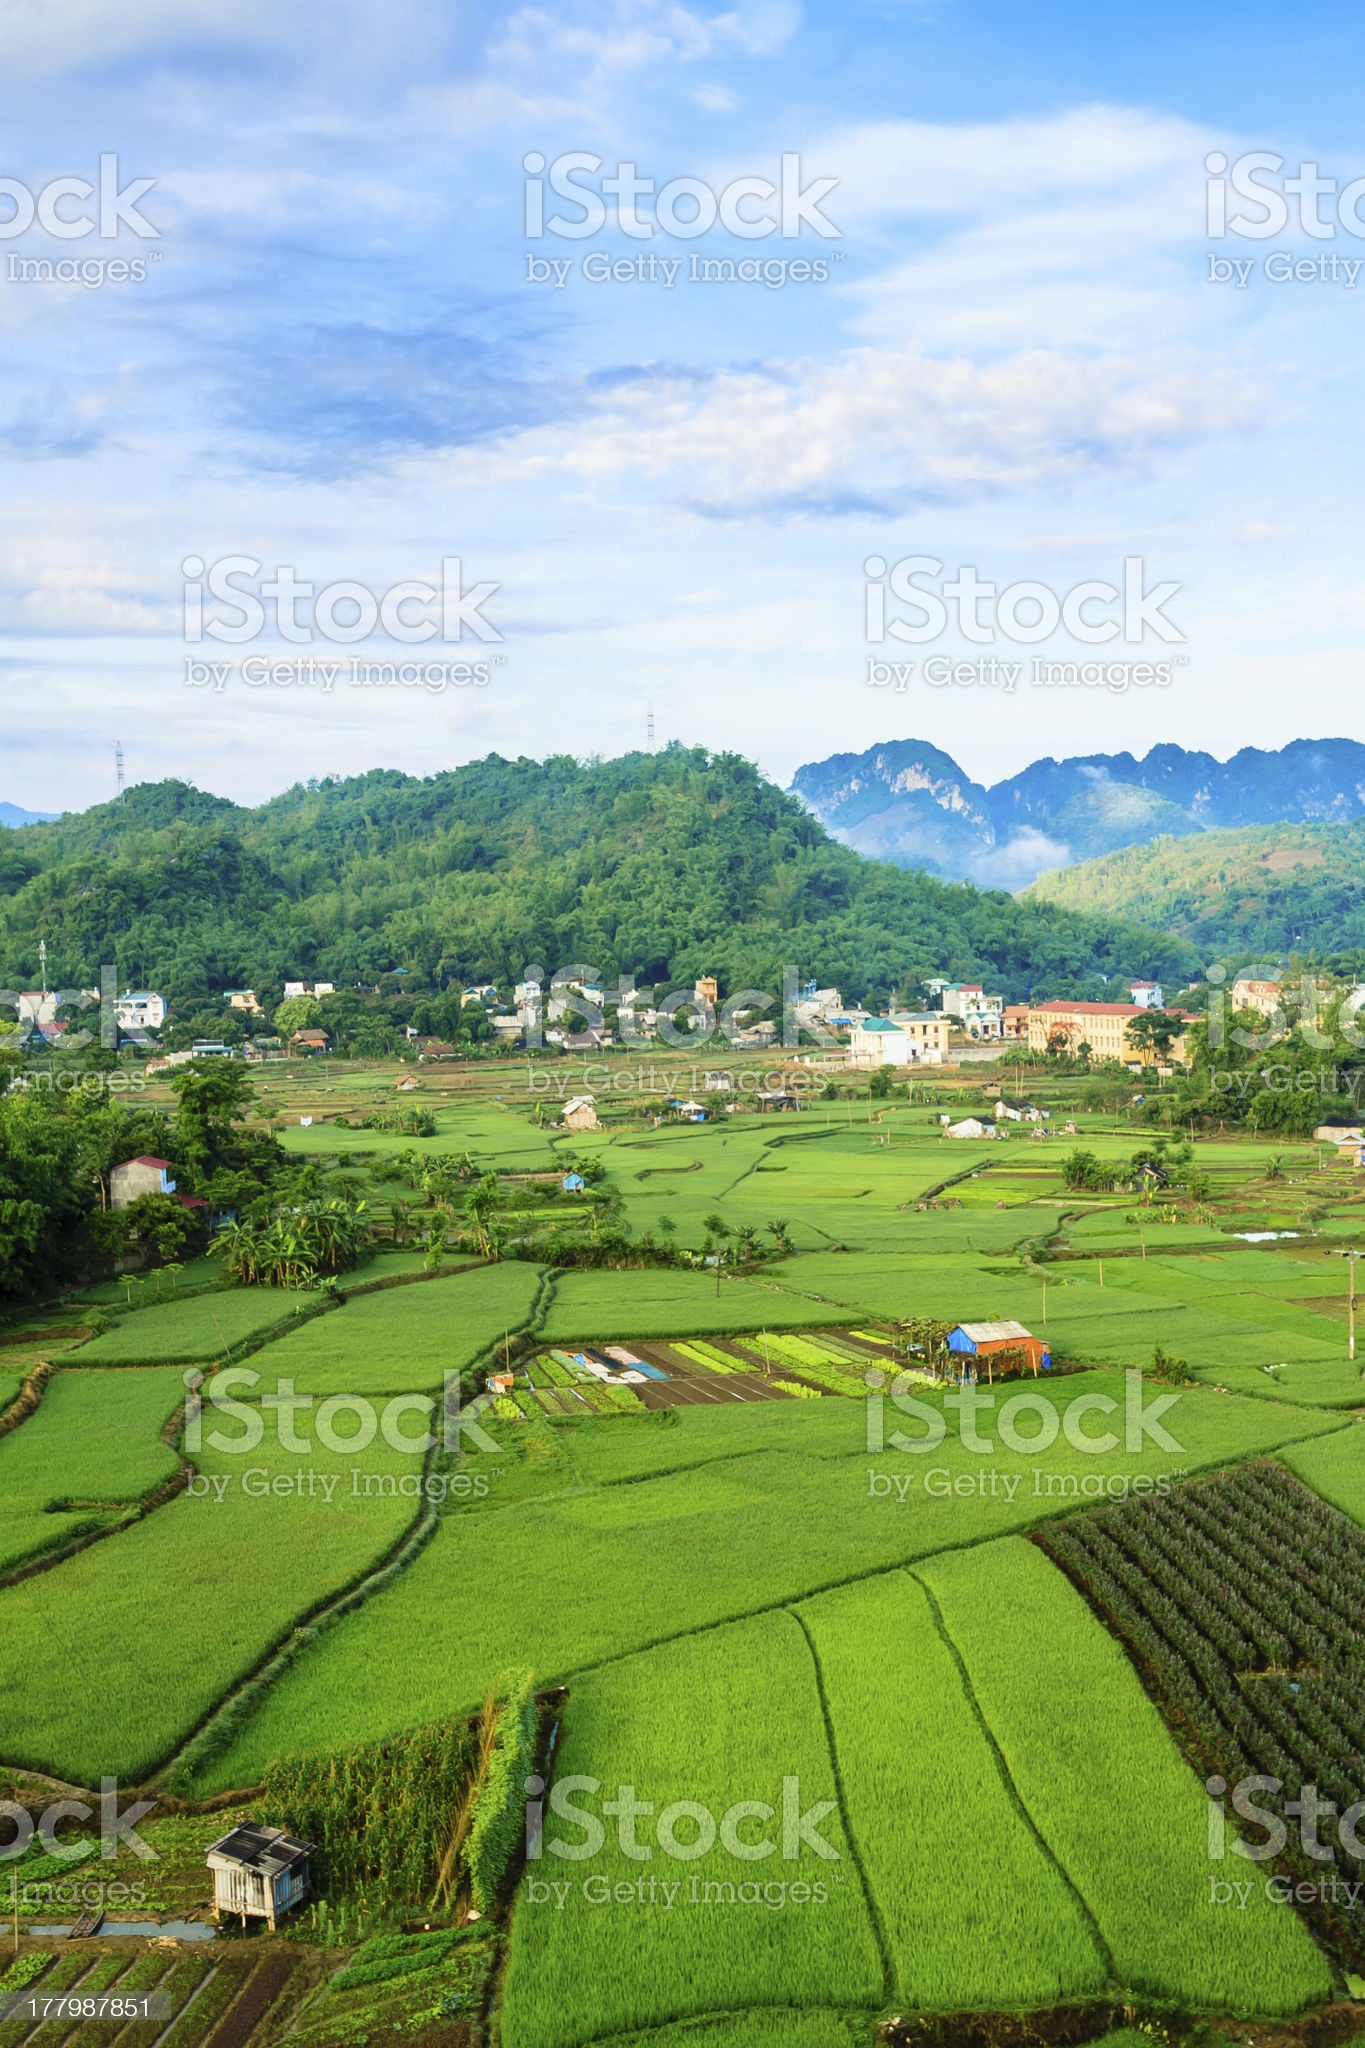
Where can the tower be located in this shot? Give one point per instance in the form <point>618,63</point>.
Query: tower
<point>118,770</point>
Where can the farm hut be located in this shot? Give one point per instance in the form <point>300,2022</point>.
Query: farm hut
<point>693,1111</point>
<point>260,1873</point>
<point>500,1382</point>
<point>580,1113</point>
<point>777,1099</point>
<point>970,1127</point>
<point>574,1183</point>
<point>984,1340</point>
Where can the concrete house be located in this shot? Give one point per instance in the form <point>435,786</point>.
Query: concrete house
<point>134,1177</point>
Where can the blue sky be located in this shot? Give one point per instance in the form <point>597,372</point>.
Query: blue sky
<point>335,360</point>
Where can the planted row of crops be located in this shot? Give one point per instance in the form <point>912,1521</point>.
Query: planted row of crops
<point>1241,1599</point>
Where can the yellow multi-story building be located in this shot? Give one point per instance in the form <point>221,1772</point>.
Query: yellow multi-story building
<point>1063,1026</point>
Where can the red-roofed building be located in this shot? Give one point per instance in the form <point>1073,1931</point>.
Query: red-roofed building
<point>145,1176</point>
<point>1064,1026</point>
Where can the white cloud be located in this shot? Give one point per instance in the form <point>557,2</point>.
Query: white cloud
<point>880,428</point>
<point>717,99</point>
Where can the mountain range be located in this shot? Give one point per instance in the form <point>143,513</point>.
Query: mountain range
<point>909,803</point>
<point>668,866</point>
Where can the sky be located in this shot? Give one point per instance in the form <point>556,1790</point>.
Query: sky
<point>971,307</point>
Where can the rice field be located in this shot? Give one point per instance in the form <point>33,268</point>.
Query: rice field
<point>175,1610</point>
<point>192,1332</point>
<point>681,1527</point>
<point>933,1814</point>
<point>405,1338</point>
<point>789,1927</point>
<point>1107,1790</point>
<point>732,1592</point>
<point>604,1307</point>
<point>90,1449</point>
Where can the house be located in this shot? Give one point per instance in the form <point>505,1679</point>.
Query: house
<point>309,988</point>
<point>970,1127</point>
<point>927,1030</point>
<point>259,1873</point>
<point>435,1049</point>
<point>1066,1026</point>
<point>980,1015</point>
<point>776,1099</point>
<point>1262,996</point>
<point>211,1049</point>
<point>580,1113</point>
<point>909,1038</point>
<point>1339,1134</point>
<point>1014,1023</point>
<point>407,1084</point>
<point>717,1083</point>
<point>484,994</point>
<point>243,999</point>
<point>584,1041</point>
<point>140,1010</point>
<point>142,1176</point>
<point>500,1382</point>
<point>692,1111</point>
<point>508,1028</point>
<point>984,1340</point>
<point>706,989</point>
<point>877,1042</point>
<point>311,1041</point>
<point>1146,994</point>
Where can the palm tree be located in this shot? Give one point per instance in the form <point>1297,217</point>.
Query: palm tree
<point>781,1237</point>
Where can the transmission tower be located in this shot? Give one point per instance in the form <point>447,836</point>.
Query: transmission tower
<point>118,769</point>
<point>649,727</point>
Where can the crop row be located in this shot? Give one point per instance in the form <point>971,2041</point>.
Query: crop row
<point>1229,1594</point>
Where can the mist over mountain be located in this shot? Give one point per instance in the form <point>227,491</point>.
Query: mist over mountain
<point>910,803</point>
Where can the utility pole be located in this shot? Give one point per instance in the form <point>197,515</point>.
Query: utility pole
<point>1350,1258</point>
<point>42,963</point>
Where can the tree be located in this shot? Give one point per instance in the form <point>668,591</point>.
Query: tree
<point>780,1233</point>
<point>481,1204</point>
<point>298,1013</point>
<point>163,1228</point>
<point>212,1098</point>
<point>1082,1169</point>
<point>1155,1031</point>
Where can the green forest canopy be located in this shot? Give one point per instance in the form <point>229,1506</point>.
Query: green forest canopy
<point>664,865</point>
<point>1257,892</point>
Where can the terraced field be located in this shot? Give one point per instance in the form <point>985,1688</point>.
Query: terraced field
<point>825,1583</point>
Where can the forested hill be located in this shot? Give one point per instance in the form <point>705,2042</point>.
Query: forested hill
<point>1267,890</point>
<point>667,865</point>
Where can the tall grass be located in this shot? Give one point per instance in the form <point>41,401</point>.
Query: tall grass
<point>379,1815</point>
<point>497,1821</point>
